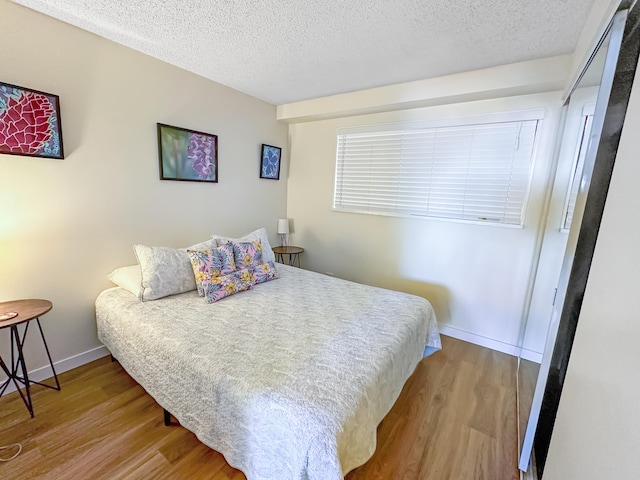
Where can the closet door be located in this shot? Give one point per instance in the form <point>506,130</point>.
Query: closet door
<point>611,70</point>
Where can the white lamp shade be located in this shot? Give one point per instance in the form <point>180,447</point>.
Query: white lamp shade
<point>283,226</point>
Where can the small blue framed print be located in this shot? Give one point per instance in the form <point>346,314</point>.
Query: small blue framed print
<point>270,164</point>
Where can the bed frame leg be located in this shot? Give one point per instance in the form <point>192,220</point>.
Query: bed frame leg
<point>167,417</point>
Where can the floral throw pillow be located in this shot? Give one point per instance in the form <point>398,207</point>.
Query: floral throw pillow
<point>247,254</point>
<point>207,264</point>
<point>225,285</point>
<point>260,234</point>
<point>264,272</point>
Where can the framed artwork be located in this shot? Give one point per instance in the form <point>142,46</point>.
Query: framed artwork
<point>187,155</point>
<point>270,163</point>
<point>29,122</point>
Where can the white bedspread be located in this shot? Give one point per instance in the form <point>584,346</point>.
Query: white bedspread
<point>288,380</point>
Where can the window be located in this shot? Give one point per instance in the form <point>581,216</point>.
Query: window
<point>474,171</point>
<point>578,166</point>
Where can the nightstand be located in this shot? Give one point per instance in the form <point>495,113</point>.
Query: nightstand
<point>13,314</point>
<point>292,253</point>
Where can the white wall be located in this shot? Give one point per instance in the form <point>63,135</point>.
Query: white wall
<point>65,224</point>
<point>476,276</point>
<point>596,433</point>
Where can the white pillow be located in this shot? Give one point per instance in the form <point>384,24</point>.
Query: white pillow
<point>260,234</point>
<point>167,271</point>
<point>129,278</point>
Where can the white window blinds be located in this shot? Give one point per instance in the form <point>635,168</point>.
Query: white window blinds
<point>476,172</point>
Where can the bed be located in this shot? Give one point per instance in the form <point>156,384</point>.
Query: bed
<point>288,380</point>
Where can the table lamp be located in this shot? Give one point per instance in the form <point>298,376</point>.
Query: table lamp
<point>283,230</point>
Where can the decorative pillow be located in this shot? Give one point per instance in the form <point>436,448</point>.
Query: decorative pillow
<point>260,234</point>
<point>264,272</point>
<point>246,254</point>
<point>211,263</point>
<point>129,278</point>
<point>226,285</point>
<point>167,271</point>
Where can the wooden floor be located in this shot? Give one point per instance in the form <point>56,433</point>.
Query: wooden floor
<point>455,420</point>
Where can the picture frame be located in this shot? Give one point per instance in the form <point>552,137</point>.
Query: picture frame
<point>30,123</point>
<point>187,155</point>
<point>270,162</point>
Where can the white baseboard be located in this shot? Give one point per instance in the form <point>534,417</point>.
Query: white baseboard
<point>43,373</point>
<point>479,340</point>
<point>531,355</point>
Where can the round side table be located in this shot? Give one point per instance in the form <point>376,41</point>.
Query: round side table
<point>293,254</point>
<point>13,314</point>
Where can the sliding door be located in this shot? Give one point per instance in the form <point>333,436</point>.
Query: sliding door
<point>594,117</point>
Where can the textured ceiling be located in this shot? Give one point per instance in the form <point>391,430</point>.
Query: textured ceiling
<point>284,51</point>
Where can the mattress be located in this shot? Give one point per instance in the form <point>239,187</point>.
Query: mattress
<point>288,380</point>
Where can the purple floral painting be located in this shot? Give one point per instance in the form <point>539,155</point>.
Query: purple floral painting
<point>187,155</point>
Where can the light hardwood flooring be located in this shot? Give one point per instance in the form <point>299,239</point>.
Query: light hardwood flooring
<point>455,420</point>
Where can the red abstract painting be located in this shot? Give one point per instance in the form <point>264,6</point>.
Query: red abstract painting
<point>29,122</point>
